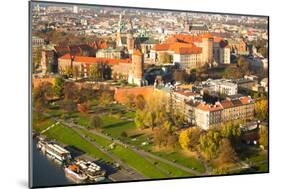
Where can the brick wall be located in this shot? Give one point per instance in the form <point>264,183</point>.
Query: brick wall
<point>121,94</point>
<point>36,81</point>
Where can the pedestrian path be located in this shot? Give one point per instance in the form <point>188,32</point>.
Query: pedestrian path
<point>49,127</point>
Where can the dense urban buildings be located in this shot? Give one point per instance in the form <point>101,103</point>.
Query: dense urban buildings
<point>149,94</point>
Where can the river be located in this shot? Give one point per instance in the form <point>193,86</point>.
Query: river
<point>46,172</point>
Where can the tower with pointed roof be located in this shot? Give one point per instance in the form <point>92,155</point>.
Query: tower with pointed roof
<point>120,30</point>
<point>186,25</point>
<point>130,37</point>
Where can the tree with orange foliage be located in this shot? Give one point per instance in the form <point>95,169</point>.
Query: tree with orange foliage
<point>83,108</point>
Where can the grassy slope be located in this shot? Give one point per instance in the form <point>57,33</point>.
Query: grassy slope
<point>69,137</point>
<point>183,160</point>
<point>143,165</point>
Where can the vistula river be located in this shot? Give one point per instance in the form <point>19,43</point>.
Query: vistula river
<point>45,171</point>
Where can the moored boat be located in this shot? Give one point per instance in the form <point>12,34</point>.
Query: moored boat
<point>73,172</point>
<point>92,170</point>
<point>54,151</point>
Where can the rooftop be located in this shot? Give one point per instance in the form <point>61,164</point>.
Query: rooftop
<point>91,60</point>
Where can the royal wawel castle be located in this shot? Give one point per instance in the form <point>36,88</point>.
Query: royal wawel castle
<point>130,51</point>
<point>191,52</point>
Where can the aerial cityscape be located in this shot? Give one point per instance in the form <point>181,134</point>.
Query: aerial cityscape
<point>126,94</point>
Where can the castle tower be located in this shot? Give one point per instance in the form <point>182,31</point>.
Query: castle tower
<point>136,70</point>
<point>186,25</point>
<point>130,42</point>
<point>48,60</point>
<point>207,48</point>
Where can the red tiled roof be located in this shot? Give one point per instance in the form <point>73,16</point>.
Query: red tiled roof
<point>226,104</point>
<point>161,47</point>
<point>186,93</point>
<point>91,60</point>
<point>188,38</point>
<point>178,48</point>
<point>245,100</point>
<point>209,107</point>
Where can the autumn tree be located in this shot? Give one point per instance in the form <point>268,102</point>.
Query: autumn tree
<point>140,102</point>
<point>58,86</point>
<point>76,72</point>
<point>167,125</point>
<point>261,109</point>
<point>68,72</point>
<point>68,105</point>
<point>42,93</point>
<point>172,141</point>
<point>160,136</point>
<point>189,138</point>
<point>243,65</point>
<point>209,143</point>
<point>232,73</point>
<point>96,121</point>
<point>227,153</point>
<point>40,97</point>
<point>83,108</point>
<point>264,136</point>
<point>71,92</point>
<point>155,112</point>
<point>150,120</point>
<point>230,130</point>
<point>219,171</point>
<point>139,119</point>
<point>86,93</point>
<point>100,72</point>
<point>130,100</point>
<point>178,119</point>
<point>95,72</point>
<point>106,98</point>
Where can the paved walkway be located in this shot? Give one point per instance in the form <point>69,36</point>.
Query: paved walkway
<point>49,127</point>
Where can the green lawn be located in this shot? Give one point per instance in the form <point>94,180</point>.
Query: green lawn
<point>262,167</point>
<point>115,127</point>
<point>139,163</point>
<point>100,140</point>
<point>189,162</point>
<point>257,158</point>
<point>39,126</point>
<point>67,136</point>
<point>173,172</point>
